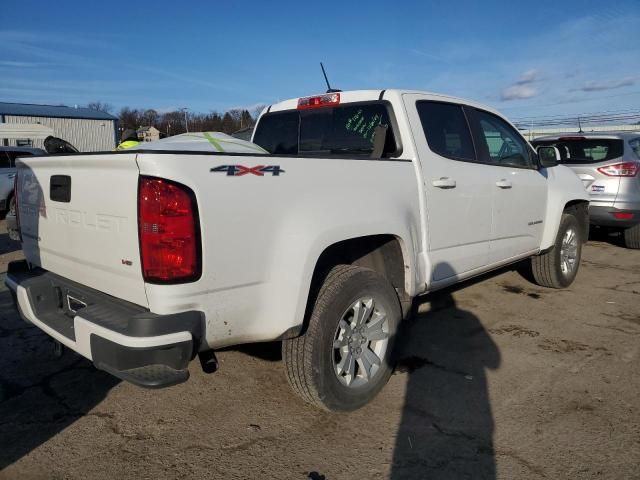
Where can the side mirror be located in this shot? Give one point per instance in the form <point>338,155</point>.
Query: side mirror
<point>549,156</point>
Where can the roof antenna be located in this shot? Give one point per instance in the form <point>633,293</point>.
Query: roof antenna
<point>329,89</point>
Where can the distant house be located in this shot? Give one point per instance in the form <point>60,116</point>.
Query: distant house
<point>86,129</point>
<point>148,134</point>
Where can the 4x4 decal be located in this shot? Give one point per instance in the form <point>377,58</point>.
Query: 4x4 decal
<point>240,170</point>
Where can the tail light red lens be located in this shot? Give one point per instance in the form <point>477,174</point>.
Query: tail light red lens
<point>168,231</point>
<point>625,169</point>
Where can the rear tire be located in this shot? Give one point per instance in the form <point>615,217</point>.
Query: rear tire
<point>558,267</point>
<point>337,364</point>
<point>632,237</point>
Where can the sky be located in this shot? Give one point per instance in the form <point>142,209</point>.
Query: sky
<point>523,58</point>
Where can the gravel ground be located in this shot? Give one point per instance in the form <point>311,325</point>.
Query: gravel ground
<point>498,379</point>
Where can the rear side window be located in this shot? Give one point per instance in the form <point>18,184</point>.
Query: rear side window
<point>328,131</point>
<point>580,150</point>
<point>446,129</point>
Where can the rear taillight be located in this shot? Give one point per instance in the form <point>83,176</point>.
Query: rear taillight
<point>168,231</point>
<point>625,169</point>
<point>15,201</point>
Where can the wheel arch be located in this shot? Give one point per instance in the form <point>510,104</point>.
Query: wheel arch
<point>386,254</point>
<point>580,209</point>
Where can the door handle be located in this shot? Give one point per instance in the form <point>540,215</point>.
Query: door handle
<point>444,182</point>
<point>504,183</point>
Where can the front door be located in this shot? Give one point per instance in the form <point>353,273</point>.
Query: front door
<point>519,188</point>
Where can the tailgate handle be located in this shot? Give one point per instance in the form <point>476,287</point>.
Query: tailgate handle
<point>60,188</point>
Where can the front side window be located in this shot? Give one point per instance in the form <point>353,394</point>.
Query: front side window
<point>505,146</point>
<point>446,129</point>
<point>327,131</point>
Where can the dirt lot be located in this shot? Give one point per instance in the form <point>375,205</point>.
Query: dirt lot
<point>499,379</point>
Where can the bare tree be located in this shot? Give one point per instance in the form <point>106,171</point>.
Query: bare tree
<point>256,111</point>
<point>100,106</point>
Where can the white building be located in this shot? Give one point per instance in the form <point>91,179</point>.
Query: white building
<point>88,130</point>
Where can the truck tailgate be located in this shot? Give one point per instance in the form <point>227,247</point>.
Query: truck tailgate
<point>78,219</point>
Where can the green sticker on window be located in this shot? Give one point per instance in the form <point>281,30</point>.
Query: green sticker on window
<point>362,125</point>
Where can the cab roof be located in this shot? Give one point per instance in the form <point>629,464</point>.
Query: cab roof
<point>350,96</point>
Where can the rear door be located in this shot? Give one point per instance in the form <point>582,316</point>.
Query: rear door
<point>78,219</point>
<point>458,189</point>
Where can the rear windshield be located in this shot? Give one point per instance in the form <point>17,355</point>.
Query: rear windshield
<point>342,130</point>
<point>585,150</point>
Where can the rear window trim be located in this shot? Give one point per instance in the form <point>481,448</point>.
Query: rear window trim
<point>554,141</point>
<point>392,120</point>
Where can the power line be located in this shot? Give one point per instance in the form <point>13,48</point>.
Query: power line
<point>625,117</point>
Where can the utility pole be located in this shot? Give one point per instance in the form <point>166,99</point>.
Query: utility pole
<point>186,121</point>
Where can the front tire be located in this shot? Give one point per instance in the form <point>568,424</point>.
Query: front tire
<point>558,267</point>
<point>632,237</point>
<point>343,359</point>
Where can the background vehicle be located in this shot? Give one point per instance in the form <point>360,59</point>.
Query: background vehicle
<point>52,145</point>
<point>139,260</point>
<point>8,157</point>
<point>608,165</point>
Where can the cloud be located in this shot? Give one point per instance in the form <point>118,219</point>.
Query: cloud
<point>14,64</point>
<point>595,86</point>
<point>518,92</point>
<point>530,76</point>
<point>422,53</point>
<point>523,87</point>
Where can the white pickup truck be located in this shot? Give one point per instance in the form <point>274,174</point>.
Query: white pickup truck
<point>141,261</point>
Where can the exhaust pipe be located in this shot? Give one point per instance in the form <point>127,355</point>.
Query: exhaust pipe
<point>208,361</point>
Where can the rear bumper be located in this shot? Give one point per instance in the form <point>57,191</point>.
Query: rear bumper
<point>604,216</point>
<point>121,338</point>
